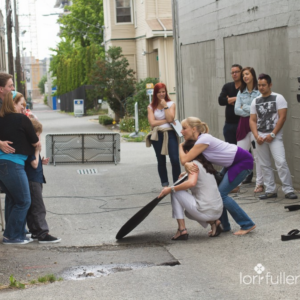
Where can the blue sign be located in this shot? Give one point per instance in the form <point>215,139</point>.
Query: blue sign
<point>150,92</point>
<point>78,107</point>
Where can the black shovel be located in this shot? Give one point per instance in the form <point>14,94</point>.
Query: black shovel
<point>142,214</point>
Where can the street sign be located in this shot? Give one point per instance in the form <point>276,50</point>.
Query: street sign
<point>150,92</point>
<point>149,86</point>
<point>78,107</point>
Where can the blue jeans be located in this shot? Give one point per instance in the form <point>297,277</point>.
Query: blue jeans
<point>230,205</point>
<point>161,159</point>
<point>229,132</point>
<point>14,182</point>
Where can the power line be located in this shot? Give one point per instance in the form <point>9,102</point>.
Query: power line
<point>69,15</point>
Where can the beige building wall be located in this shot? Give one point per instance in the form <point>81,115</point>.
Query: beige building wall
<point>144,35</point>
<point>36,77</point>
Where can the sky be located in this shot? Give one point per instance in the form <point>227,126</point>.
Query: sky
<point>46,26</point>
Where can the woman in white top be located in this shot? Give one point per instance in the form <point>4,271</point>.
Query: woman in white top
<point>204,205</point>
<point>161,112</point>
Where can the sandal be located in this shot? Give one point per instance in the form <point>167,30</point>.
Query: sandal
<point>181,236</point>
<point>259,188</point>
<point>292,235</point>
<point>292,207</point>
<point>217,231</point>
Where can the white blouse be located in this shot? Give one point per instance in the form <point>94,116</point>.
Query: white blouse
<point>159,114</point>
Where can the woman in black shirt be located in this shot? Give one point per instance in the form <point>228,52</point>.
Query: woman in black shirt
<point>18,129</point>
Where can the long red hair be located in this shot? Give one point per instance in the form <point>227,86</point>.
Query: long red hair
<point>155,100</point>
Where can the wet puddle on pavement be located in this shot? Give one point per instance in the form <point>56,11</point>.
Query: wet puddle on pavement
<point>85,272</point>
<point>78,263</point>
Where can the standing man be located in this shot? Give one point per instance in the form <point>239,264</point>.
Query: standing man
<point>6,86</point>
<point>227,98</point>
<point>267,117</point>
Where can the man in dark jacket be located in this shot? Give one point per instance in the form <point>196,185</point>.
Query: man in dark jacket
<point>227,98</point>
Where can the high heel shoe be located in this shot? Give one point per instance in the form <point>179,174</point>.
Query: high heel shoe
<point>181,237</point>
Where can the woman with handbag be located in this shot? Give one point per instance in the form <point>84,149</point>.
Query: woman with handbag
<point>161,112</point>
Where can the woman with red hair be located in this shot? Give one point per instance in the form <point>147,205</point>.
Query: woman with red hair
<point>161,112</point>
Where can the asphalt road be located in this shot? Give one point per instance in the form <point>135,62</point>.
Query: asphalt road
<point>87,211</point>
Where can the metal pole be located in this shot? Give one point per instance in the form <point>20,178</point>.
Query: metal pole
<point>9,39</point>
<point>19,86</point>
<point>136,114</point>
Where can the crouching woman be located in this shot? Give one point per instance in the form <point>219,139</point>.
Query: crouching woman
<point>204,205</point>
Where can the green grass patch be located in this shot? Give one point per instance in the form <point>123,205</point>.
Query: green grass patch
<point>68,113</point>
<point>133,139</point>
<point>13,283</point>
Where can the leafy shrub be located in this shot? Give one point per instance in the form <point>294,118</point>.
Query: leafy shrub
<point>45,100</point>
<point>140,97</point>
<point>105,120</point>
<point>144,125</point>
<point>128,124</point>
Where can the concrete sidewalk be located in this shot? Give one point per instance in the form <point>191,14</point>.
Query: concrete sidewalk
<point>87,211</point>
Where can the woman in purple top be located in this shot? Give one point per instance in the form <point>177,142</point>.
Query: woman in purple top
<point>238,163</point>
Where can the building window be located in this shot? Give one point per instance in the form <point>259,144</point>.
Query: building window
<point>123,11</point>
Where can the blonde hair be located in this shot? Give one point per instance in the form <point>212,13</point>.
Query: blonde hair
<point>201,127</point>
<point>38,127</point>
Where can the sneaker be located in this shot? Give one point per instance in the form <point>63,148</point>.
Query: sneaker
<point>7,241</point>
<point>291,196</point>
<point>34,237</point>
<point>49,239</point>
<point>28,239</point>
<point>267,196</point>
<point>27,233</point>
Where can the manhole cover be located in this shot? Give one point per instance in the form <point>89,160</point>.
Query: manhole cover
<point>87,172</point>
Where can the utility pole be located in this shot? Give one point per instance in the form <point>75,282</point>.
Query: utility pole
<point>9,38</point>
<point>19,86</point>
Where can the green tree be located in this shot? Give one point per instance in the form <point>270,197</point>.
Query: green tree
<point>84,24</point>
<point>140,97</point>
<point>114,80</point>
<point>41,84</point>
<point>80,45</point>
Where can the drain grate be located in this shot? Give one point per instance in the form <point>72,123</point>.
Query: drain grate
<point>87,171</point>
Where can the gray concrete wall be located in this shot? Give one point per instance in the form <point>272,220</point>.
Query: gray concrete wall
<point>212,35</point>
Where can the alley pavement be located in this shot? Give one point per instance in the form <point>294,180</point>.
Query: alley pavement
<point>86,212</point>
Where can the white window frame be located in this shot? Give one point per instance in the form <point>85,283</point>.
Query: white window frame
<point>131,14</point>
